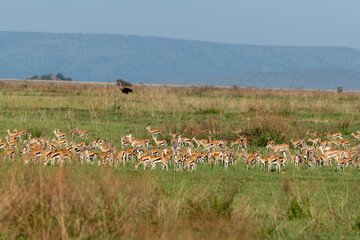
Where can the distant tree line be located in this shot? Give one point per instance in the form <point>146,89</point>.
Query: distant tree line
<point>50,76</point>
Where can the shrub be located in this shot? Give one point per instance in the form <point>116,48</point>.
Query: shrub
<point>298,209</point>
<point>123,83</point>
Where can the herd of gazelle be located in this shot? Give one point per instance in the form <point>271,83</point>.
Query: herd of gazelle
<point>185,153</point>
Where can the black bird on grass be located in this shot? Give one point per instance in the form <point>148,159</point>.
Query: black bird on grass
<point>126,90</point>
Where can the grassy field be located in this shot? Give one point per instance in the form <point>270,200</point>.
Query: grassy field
<point>91,202</point>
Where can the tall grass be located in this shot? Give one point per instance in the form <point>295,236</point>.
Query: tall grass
<point>88,202</point>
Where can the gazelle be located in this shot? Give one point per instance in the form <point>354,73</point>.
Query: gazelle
<point>4,145</point>
<point>136,142</point>
<point>356,136</point>
<point>238,131</point>
<point>129,153</point>
<point>216,157</point>
<point>344,143</point>
<point>315,141</point>
<point>273,160</point>
<point>326,145</point>
<point>296,159</point>
<point>190,163</point>
<point>186,141</point>
<point>159,159</point>
<point>326,134</point>
<point>314,133</point>
<point>160,143</point>
<point>309,163</point>
<point>155,151</point>
<point>59,135</point>
<point>282,162</point>
<point>196,141</point>
<point>297,143</point>
<point>350,160</point>
<point>251,160</point>
<point>124,142</point>
<point>182,141</point>
<point>325,160</point>
<point>121,157</point>
<point>91,156</point>
<point>45,154</point>
<point>216,143</point>
<point>98,142</point>
<point>64,155</point>
<point>241,142</point>
<point>9,153</point>
<point>11,139</point>
<point>353,149</point>
<point>53,155</point>
<point>32,154</point>
<point>14,134</point>
<point>340,164</point>
<point>229,158</point>
<point>12,142</point>
<point>271,142</point>
<point>335,136</point>
<point>74,133</point>
<point>332,154</point>
<point>22,132</point>
<point>61,142</point>
<point>279,148</point>
<point>106,148</point>
<point>104,157</point>
<point>263,161</point>
<point>174,139</point>
<point>143,160</point>
<point>153,131</point>
<point>83,133</point>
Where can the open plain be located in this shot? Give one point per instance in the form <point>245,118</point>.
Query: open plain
<point>88,201</point>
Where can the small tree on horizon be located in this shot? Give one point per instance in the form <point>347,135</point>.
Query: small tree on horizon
<point>122,83</point>
<point>60,76</point>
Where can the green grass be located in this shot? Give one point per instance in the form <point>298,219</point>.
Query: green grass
<point>91,202</point>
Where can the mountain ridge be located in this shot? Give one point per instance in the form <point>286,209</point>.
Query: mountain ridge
<point>106,57</point>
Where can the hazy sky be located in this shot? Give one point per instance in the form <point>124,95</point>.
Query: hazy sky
<point>265,22</point>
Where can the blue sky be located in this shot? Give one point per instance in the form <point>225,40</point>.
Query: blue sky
<point>261,22</point>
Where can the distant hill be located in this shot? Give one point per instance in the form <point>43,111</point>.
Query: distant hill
<point>306,79</point>
<point>106,57</point>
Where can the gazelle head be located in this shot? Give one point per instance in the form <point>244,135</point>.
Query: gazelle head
<point>129,134</point>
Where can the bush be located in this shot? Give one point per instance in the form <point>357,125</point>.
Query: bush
<point>60,76</point>
<point>299,209</point>
<point>123,83</point>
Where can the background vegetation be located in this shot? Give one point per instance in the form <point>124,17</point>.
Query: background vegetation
<point>87,202</point>
<point>50,76</point>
